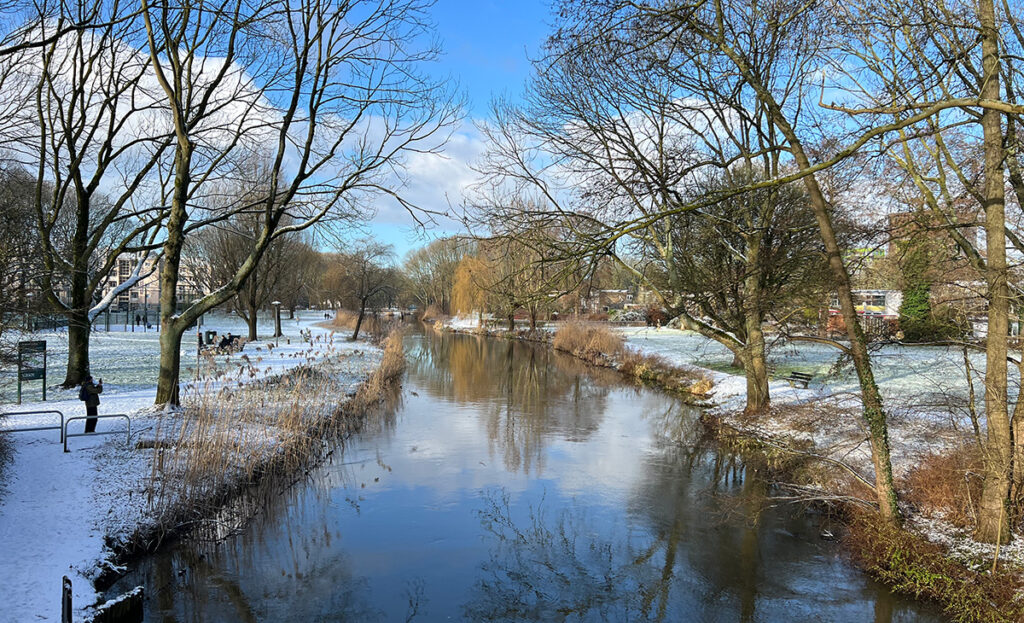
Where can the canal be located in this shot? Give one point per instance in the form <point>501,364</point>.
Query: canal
<point>506,482</point>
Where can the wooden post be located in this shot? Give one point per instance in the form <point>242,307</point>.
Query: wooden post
<point>65,601</point>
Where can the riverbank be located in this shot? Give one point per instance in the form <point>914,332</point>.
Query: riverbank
<point>83,513</point>
<point>815,439</point>
<point>598,347</point>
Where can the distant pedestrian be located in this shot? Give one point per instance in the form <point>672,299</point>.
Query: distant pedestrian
<point>138,320</point>
<point>90,394</point>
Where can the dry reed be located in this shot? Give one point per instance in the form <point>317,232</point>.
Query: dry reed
<point>224,441</point>
<point>600,346</point>
<point>588,341</point>
<point>948,484</point>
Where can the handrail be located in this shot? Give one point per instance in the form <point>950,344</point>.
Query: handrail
<point>32,428</point>
<point>128,439</point>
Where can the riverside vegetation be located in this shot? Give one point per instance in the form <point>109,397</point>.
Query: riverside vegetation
<point>228,448</point>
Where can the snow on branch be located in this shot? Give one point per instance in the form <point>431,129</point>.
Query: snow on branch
<point>137,275</point>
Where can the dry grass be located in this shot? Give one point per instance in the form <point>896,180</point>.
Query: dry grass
<point>346,320</point>
<point>948,485</point>
<point>601,346</point>
<point>588,341</point>
<point>432,313</point>
<point>224,443</point>
<point>392,364</point>
<point>376,327</point>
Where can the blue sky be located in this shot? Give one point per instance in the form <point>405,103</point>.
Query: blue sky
<point>487,46</point>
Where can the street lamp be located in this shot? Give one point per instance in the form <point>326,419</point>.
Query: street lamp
<point>277,321</point>
<point>28,310</point>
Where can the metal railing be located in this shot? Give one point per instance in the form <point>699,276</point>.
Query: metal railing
<point>32,428</point>
<point>128,438</point>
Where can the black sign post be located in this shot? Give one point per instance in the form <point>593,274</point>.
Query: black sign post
<point>28,364</point>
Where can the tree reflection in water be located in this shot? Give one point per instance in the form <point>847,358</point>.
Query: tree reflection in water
<point>601,503</point>
<point>557,569</point>
<point>698,544</point>
<point>525,392</point>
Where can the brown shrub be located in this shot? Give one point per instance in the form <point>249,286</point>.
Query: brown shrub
<point>948,484</point>
<point>588,341</point>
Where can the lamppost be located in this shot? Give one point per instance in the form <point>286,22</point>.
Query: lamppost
<point>28,310</point>
<point>277,321</point>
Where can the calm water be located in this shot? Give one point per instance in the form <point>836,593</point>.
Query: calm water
<point>510,483</point>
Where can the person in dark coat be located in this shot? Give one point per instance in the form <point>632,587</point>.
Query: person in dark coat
<point>92,402</point>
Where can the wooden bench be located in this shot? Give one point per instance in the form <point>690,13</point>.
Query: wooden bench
<point>798,377</point>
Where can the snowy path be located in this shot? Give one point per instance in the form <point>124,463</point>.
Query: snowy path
<point>56,508</point>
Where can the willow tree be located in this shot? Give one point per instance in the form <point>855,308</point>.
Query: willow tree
<point>330,93</point>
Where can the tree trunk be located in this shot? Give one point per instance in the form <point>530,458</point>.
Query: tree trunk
<point>251,320</point>
<point>167,391</point>
<point>1017,478</point>
<point>78,347</point>
<point>874,414</point>
<point>756,369</point>
<point>359,321</point>
<point>511,322</point>
<point>993,520</point>
<point>871,399</point>
<point>755,366</point>
<point>171,326</point>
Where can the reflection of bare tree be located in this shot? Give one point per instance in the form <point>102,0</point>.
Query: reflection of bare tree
<point>555,570</point>
<point>526,392</point>
<point>571,567</point>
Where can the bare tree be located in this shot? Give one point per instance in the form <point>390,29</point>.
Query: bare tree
<point>213,255</point>
<point>366,277</point>
<point>19,262</point>
<point>82,129</point>
<point>713,61</point>
<point>331,93</point>
<point>431,271</point>
<point>961,57</point>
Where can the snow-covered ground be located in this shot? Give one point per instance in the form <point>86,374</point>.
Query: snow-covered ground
<point>927,372</point>
<point>57,509</point>
<point>925,388</point>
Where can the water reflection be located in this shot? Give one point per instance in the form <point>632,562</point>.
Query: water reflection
<point>512,484</point>
<point>525,392</point>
